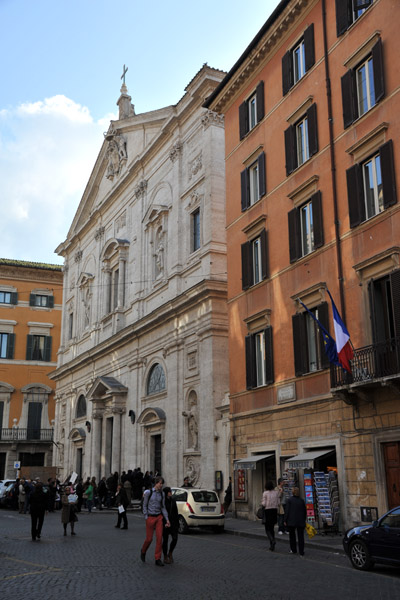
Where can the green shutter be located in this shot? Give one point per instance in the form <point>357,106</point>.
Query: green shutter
<point>10,345</point>
<point>32,299</point>
<point>29,344</point>
<point>14,297</point>
<point>50,302</point>
<point>47,348</point>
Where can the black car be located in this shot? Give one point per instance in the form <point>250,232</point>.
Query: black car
<point>375,543</point>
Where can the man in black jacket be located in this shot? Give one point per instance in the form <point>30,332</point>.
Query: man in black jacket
<point>38,504</point>
<point>295,521</point>
<point>172,530</point>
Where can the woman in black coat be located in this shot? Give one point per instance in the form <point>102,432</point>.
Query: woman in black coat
<point>295,521</point>
<point>172,530</point>
<point>38,507</point>
<point>121,500</point>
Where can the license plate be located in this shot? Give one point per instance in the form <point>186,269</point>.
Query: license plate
<point>207,509</point>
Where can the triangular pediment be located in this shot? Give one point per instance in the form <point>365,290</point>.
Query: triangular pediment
<point>104,387</point>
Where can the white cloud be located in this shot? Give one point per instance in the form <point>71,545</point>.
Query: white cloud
<point>47,152</point>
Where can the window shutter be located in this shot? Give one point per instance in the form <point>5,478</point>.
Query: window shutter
<point>250,362</point>
<point>312,129</point>
<point>32,299</point>
<point>316,202</point>
<point>247,271</point>
<point>388,174</point>
<point>264,254</point>
<point>349,98</point>
<point>245,190</point>
<point>343,16</point>
<point>29,346</point>
<point>373,309</point>
<point>47,348</point>
<point>290,145</point>
<point>269,356</point>
<point>14,297</point>
<point>260,101</point>
<point>323,317</point>
<point>355,195</point>
<point>287,72</point>
<point>261,175</point>
<point>395,290</point>
<point>309,47</point>
<point>50,301</point>
<point>294,235</point>
<point>377,61</point>
<point>299,344</point>
<point>243,120</point>
<point>10,345</point>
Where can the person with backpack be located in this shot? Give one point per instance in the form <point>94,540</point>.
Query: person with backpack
<point>154,510</point>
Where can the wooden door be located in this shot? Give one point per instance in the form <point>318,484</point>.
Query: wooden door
<point>392,468</point>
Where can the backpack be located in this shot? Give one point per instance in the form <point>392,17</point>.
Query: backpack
<point>150,495</point>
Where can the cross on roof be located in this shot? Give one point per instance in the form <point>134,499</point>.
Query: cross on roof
<point>124,70</point>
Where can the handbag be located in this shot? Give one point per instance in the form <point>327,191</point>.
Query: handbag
<point>260,512</point>
<point>85,496</point>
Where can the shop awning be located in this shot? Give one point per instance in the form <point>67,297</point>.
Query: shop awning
<point>306,459</point>
<point>250,462</point>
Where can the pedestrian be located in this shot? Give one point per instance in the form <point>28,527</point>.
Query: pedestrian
<point>154,510</point>
<point>69,503</point>
<point>281,509</point>
<point>128,489</point>
<point>186,483</point>
<point>102,492</point>
<point>28,492</point>
<point>270,502</point>
<point>295,521</point>
<point>172,530</point>
<point>21,495</point>
<point>147,480</point>
<point>121,501</point>
<point>51,494</point>
<point>79,492</point>
<point>88,495</point>
<point>38,507</point>
<point>228,496</point>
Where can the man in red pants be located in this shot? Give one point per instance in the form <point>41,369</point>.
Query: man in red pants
<point>154,510</point>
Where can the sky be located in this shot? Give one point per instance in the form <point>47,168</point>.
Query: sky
<point>60,69</point>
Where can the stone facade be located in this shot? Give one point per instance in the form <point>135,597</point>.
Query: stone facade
<point>142,374</point>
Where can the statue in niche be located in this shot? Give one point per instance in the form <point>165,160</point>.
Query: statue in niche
<point>193,430</point>
<point>86,297</point>
<point>192,470</point>
<point>116,153</point>
<point>159,258</point>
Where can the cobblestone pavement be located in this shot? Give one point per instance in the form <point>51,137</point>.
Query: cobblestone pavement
<point>101,561</point>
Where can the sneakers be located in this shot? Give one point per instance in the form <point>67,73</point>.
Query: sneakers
<point>142,557</point>
<point>280,532</point>
<point>159,563</point>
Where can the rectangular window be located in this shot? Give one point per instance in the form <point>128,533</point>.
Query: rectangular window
<point>365,87</point>
<point>7,345</point>
<point>38,347</point>
<point>308,343</point>
<point>297,61</point>
<point>255,260</point>
<point>196,230</point>
<point>299,68</point>
<point>42,300</point>
<point>259,359</point>
<point>251,111</point>
<point>5,297</point>
<point>371,185</point>
<point>348,11</point>
<point>306,228</point>
<point>253,182</point>
<point>303,153</point>
<point>301,140</point>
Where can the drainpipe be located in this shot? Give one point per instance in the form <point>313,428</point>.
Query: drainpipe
<point>333,165</point>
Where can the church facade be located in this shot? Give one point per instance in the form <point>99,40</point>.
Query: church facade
<point>142,375</point>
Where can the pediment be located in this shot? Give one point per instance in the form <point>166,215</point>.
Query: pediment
<point>154,212</point>
<point>152,416</point>
<point>77,434</point>
<point>105,387</point>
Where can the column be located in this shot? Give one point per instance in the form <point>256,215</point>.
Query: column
<point>116,441</point>
<point>97,425</point>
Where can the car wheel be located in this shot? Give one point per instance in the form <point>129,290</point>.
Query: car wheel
<point>359,556</point>
<point>183,528</point>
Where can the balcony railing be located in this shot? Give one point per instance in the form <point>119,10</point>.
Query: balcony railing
<point>369,363</point>
<point>15,434</point>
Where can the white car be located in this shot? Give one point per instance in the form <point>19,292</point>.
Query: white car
<point>198,508</point>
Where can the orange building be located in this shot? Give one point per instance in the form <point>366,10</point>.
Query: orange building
<point>312,156</point>
<point>30,322</point>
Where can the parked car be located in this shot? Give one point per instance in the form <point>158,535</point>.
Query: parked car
<point>6,493</point>
<point>198,508</point>
<point>4,483</point>
<point>376,543</point>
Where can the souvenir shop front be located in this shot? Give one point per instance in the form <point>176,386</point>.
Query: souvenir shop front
<point>316,474</point>
<point>250,476</point>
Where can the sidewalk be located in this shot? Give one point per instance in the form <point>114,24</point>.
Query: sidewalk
<point>255,529</point>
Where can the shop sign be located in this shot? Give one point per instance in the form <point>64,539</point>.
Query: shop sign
<point>300,464</point>
<point>241,485</point>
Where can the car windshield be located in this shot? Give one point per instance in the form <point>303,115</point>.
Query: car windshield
<point>392,519</point>
<point>204,496</point>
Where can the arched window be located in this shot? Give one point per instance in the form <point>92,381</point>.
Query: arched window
<point>81,407</point>
<point>156,380</point>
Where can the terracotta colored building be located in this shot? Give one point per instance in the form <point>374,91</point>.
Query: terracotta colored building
<point>30,322</point>
<point>312,156</point>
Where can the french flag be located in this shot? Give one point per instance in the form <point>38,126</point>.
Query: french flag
<point>343,346</point>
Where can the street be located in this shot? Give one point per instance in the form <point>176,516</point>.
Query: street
<point>101,561</point>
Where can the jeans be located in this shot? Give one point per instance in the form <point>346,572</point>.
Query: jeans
<point>154,523</point>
